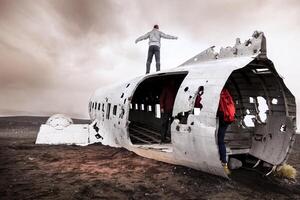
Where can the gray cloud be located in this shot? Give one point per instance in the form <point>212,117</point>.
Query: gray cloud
<point>55,53</point>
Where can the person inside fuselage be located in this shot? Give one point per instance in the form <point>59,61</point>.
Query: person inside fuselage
<point>167,99</point>
<point>199,94</point>
<point>226,115</point>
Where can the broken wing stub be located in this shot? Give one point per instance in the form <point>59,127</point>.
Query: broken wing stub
<point>255,46</point>
<point>59,129</point>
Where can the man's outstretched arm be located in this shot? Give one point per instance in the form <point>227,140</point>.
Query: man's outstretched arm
<point>166,36</point>
<point>143,37</point>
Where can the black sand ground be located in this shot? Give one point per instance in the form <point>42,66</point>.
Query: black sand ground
<point>29,171</point>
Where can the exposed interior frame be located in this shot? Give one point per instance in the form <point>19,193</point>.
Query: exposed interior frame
<point>256,84</point>
<point>144,114</point>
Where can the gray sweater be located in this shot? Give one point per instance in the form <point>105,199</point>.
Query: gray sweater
<point>154,37</point>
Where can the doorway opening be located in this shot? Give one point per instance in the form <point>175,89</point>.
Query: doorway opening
<point>144,115</point>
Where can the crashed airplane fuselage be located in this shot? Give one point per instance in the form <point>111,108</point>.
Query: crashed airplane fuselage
<point>128,115</point>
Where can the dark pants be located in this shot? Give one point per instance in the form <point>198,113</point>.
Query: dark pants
<point>165,125</point>
<point>221,135</point>
<point>153,50</point>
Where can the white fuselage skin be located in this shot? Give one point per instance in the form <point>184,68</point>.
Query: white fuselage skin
<point>193,145</point>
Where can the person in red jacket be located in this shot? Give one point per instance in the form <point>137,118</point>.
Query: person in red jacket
<point>167,99</point>
<point>198,103</point>
<point>226,114</point>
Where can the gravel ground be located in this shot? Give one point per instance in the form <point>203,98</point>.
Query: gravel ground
<point>30,171</point>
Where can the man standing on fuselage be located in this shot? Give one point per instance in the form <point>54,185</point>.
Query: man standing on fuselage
<point>154,37</point>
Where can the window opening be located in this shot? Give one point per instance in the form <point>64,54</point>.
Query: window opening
<point>149,108</point>
<point>122,113</point>
<point>283,128</point>
<point>261,71</point>
<point>262,108</point>
<point>182,117</point>
<point>196,111</point>
<point>99,105</point>
<point>136,106</point>
<point>108,110</point>
<point>142,107</point>
<point>274,101</point>
<point>157,111</point>
<point>198,103</point>
<point>249,120</point>
<point>115,110</point>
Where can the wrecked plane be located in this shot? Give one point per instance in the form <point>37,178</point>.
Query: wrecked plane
<point>128,115</point>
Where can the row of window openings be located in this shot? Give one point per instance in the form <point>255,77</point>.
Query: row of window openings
<point>248,118</point>
<point>97,106</point>
<point>148,108</point>
<point>142,107</point>
<point>156,109</point>
<point>196,110</point>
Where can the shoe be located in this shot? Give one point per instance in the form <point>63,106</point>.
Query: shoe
<point>226,169</point>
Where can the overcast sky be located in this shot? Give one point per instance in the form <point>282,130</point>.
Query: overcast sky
<point>54,54</point>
